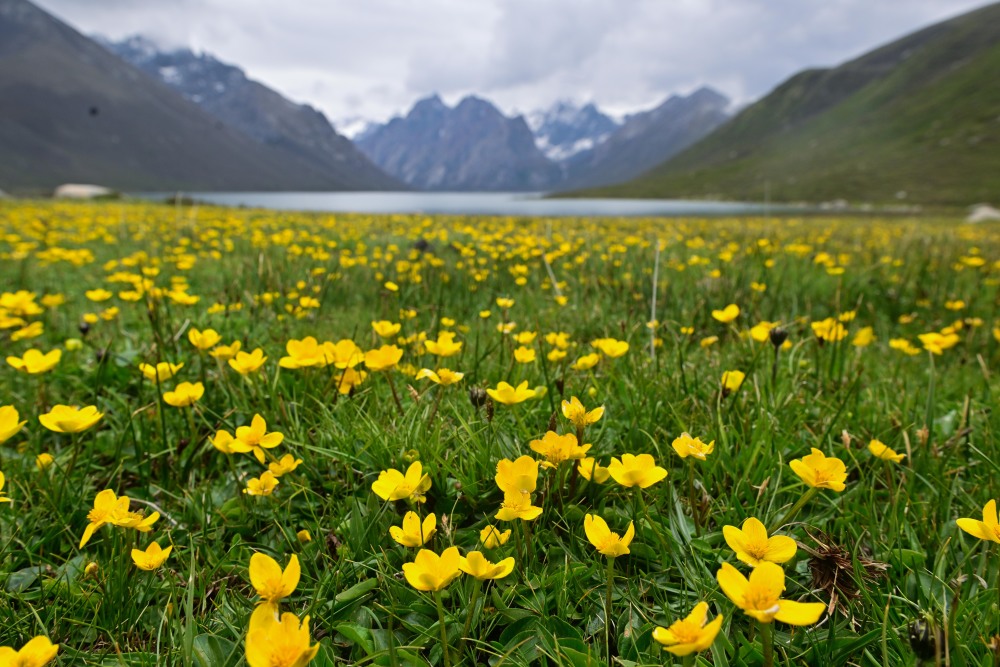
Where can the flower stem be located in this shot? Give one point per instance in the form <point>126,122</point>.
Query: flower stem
<point>444,631</point>
<point>468,619</point>
<point>767,643</point>
<point>695,513</point>
<point>527,540</point>
<point>794,509</point>
<point>607,607</point>
<point>656,531</point>
<point>395,396</point>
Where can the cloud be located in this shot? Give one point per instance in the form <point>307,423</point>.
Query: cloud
<point>375,58</point>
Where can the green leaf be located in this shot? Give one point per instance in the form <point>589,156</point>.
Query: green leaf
<point>357,635</point>
<point>357,590</point>
<point>212,651</point>
<point>20,581</point>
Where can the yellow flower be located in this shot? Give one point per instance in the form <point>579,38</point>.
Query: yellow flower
<point>391,286</point>
<point>261,486</point>
<point>349,379</point>
<point>574,411</point>
<point>864,337</point>
<point>385,328</point>
<point>525,337</point>
<point>556,355</point>
<point>226,352</point>
<point>442,376</point>
<point>727,314</point>
<point>255,438</point>
<point>245,363</point>
<point>829,330</point>
<point>161,372</point>
<point>708,341</point>
<point>881,451</point>
<point>524,355</point>
<point>732,381</point>
<point>37,652</point>
<point>274,643</point>
<point>586,362</point>
<point>384,358</point>
<point>760,596</point>
<point>691,634</point>
<point>204,340</point>
<point>508,395</point>
<point>414,533</point>
<point>394,485</point>
<point>819,471</point>
<point>518,476</point>
<point>592,471</point>
<point>431,572</point>
<point>517,506</point>
<point>9,424</point>
<point>444,346</point>
<point>284,465</point>
<point>305,353</point>
<point>98,295</point>
<point>640,470</point>
<point>270,581</point>
<point>184,395</point>
<point>43,460</point>
<point>152,558</point>
<point>68,419</point>
<point>611,347</point>
<point>303,536</point>
<point>753,546</point>
<point>3,496</point>
<point>988,528</point>
<point>558,448</point>
<point>761,332</point>
<point>934,342</point>
<point>492,537</point>
<point>35,361</point>
<point>686,446</point>
<point>607,543</point>
<point>33,330</point>
<point>476,565</point>
<point>110,509</point>
<point>505,303</point>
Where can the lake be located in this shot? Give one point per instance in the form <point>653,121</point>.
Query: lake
<point>471,203</point>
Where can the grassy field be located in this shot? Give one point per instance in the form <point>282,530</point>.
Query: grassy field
<point>762,339</point>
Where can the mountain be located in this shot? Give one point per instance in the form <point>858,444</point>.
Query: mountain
<point>566,129</point>
<point>471,146</point>
<point>259,112</point>
<point>916,120</point>
<point>648,138</point>
<point>70,111</point>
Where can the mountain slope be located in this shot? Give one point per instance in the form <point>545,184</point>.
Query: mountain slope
<point>225,92</point>
<point>565,129</point>
<point>72,111</point>
<point>648,138</point>
<point>469,147</point>
<point>918,120</point>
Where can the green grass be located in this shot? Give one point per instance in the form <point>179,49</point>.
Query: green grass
<point>550,610</point>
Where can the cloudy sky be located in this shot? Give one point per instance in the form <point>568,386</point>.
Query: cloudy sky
<point>374,58</point>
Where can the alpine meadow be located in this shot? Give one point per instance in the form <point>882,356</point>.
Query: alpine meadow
<point>284,438</point>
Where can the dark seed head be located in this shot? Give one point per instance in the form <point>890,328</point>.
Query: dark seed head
<point>778,336</point>
<point>923,639</point>
<point>84,328</point>
<point>477,396</point>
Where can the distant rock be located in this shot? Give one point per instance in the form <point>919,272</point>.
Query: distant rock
<point>469,147</point>
<point>648,138</point>
<point>982,213</point>
<point>81,191</point>
<point>566,129</point>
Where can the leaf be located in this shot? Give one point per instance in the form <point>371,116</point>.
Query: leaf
<point>356,591</point>
<point>19,581</point>
<point>357,635</point>
<point>212,651</point>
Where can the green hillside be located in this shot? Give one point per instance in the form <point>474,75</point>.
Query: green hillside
<point>920,116</point>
